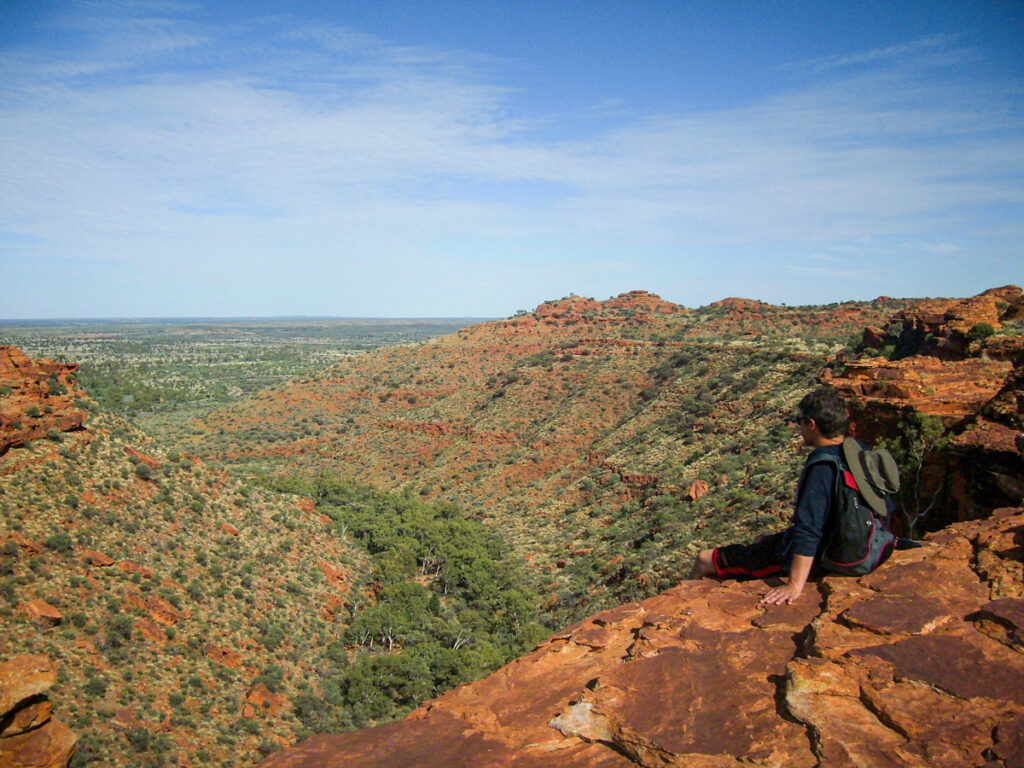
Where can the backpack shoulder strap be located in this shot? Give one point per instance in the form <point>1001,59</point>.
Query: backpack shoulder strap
<point>825,458</point>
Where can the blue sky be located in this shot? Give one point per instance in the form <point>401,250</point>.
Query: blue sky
<point>470,159</point>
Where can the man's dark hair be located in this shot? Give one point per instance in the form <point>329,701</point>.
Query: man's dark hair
<point>828,410</point>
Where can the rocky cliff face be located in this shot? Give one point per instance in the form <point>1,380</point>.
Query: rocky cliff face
<point>947,328</point>
<point>945,369</point>
<point>918,664</point>
<point>36,396</point>
<point>29,735</point>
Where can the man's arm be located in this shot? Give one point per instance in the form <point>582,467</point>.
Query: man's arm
<point>799,570</point>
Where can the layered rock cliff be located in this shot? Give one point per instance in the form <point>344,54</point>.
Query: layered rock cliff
<point>969,381</point>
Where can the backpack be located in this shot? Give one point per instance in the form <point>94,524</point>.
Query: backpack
<point>856,539</point>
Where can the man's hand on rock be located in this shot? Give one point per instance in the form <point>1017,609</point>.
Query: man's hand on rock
<point>799,570</point>
<point>787,593</point>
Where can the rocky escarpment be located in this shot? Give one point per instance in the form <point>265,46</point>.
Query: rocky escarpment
<point>29,735</point>
<point>971,383</point>
<point>948,328</point>
<point>919,664</point>
<point>36,397</point>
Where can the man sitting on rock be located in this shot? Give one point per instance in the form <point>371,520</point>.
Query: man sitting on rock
<point>822,418</point>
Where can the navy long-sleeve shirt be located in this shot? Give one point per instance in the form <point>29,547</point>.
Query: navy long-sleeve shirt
<point>813,503</point>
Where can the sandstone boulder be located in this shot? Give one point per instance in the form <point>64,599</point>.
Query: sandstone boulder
<point>697,491</point>
<point>44,615</point>
<point>261,700</point>
<point>23,677</point>
<point>97,559</point>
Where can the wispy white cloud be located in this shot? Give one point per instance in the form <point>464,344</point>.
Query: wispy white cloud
<point>166,140</point>
<point>934,44</point>
<point>938,248</point>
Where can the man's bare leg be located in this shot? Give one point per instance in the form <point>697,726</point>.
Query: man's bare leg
<point>704,565</point>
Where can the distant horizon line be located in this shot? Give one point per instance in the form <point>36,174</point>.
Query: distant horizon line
<point>241,318</point>
<point>182,319</point>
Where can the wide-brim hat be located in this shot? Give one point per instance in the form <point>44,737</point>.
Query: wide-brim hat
<point>876,474</point>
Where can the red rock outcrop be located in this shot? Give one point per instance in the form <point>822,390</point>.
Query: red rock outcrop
<point>698,490</point>
<point>633,306</point>
<point>30,547</point>
<point>36,396</point>
<point>734,304</point>
<point>40,612</point>
<point>642,301</point>
<point>882,391</point>
<point>29,736</point>
<point>159,609</point>
<point>974,385</point>
<point>945,328</point>
<point>224,656</point>
<point>130,566</point>
<point>918,664</point>
<point>141,457</point>
<point>261,699</point>
<point>97,559</point>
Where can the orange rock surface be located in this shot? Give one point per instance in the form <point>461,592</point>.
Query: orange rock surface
<point>882,390</point>
<point>697,491</point>
<point>97,558</point>
<point>224,656</point>
<point>142,458</point>
<point>917,664</point>
<point>261,699</point>
<point>29,736</point>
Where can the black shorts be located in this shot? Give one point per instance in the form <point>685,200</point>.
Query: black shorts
<point>765,557</point>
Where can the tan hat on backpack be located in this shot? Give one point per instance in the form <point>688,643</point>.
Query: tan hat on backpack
<point>876,474</point>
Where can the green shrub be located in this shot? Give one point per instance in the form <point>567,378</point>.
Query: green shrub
<point>59,542</point>
<point>139,739</point>
<point>980,331</point>
<point>95,687</point>
<point>55,387</point>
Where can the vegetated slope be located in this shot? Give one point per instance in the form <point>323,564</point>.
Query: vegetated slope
<point>604,440</point>
<point>198,617</point>
<point>163,589</point>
